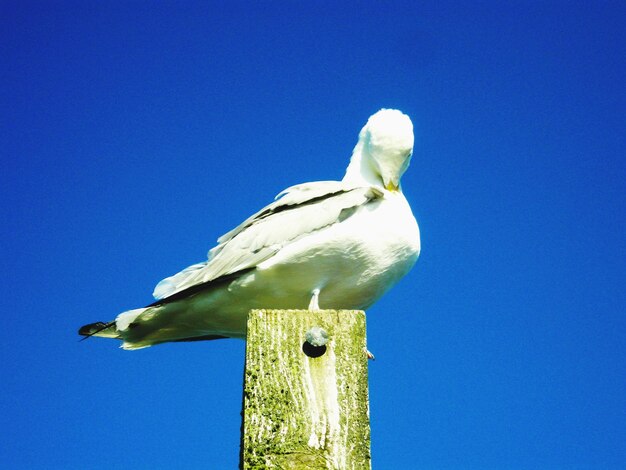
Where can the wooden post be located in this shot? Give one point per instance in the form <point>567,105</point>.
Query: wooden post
<point>301,411</point>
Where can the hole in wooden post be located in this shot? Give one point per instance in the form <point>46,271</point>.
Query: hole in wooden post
<point>313,351</point>
<point>315,342</point>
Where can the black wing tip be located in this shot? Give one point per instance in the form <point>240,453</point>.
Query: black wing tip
<point>87,331</point>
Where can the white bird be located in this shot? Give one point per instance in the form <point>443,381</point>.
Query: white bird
<point>326,244</point>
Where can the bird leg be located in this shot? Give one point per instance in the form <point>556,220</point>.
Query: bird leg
<point>315,297</point>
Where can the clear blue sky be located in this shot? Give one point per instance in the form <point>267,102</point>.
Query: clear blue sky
<point>133,134</point>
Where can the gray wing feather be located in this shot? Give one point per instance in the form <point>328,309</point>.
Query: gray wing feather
<point>291,196</point>
<point>301,210</point>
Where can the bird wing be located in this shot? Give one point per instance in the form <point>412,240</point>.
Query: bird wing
<point>297,212</point>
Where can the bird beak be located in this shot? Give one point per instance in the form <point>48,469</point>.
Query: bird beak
<point>391,186</point>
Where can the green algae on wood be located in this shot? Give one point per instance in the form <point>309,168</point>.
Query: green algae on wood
<point>300,411</point>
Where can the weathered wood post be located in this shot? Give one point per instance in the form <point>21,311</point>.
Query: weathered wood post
<point>302,411</point>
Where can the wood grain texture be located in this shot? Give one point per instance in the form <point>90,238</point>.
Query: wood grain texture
<point>299,411</point>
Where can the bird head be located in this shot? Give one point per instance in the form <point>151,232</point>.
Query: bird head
<point>387,140</point>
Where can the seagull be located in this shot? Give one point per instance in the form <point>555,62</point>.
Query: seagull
<point>325,244</point>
